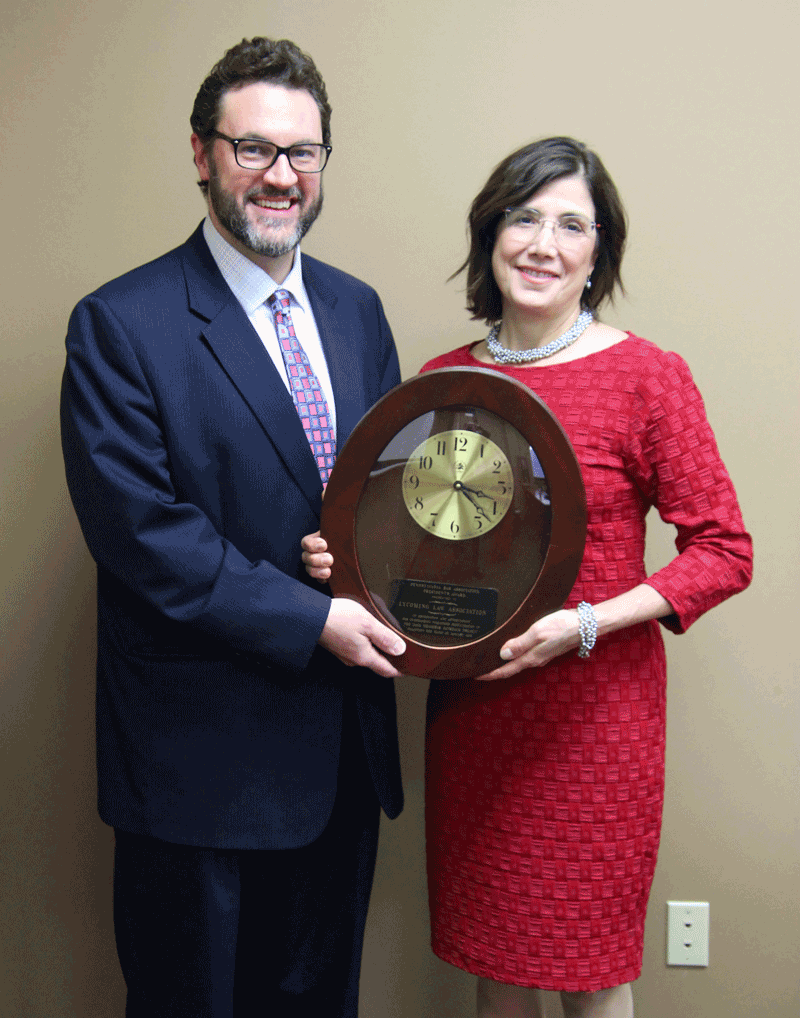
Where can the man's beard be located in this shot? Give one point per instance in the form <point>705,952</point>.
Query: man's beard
<point>234,219</point>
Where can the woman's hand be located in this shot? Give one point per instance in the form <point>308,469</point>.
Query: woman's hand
<point>559,633</point>
<point>550,637</point>
<point>317,561</point>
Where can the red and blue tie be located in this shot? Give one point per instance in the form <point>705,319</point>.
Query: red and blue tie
<point>309,399</point>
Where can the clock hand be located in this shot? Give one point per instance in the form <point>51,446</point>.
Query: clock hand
<point>476,491</point>
<point>466,492</point>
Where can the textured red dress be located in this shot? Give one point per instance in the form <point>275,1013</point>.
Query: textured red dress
<point>544,792</point>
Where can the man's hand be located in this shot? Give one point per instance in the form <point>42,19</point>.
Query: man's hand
<point>356,638</point>
<point>317,562</point>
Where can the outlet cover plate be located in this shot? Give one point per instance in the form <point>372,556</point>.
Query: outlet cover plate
<point>687,933</point>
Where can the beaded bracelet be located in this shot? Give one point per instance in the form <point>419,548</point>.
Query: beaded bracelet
<point>587,627</point>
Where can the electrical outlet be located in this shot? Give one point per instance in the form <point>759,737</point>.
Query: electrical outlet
<point>687,933</point>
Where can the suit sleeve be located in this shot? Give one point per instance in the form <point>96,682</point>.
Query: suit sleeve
<point>155,546</point>
<point>391,365</point>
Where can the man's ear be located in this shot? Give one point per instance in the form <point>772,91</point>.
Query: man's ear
<point>200,157</point>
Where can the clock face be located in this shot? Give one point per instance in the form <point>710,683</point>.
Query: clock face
<point>458,485</point>
<point>456,514</point>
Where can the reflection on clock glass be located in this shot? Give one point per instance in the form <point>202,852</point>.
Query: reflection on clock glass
<point>453,525</point>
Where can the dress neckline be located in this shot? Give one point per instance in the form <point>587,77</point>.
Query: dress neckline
<point>540,366</point>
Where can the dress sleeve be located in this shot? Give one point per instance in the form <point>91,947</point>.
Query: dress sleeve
<point>674,459</point>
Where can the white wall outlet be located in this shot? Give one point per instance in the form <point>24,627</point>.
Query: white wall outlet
<point>687,933</point>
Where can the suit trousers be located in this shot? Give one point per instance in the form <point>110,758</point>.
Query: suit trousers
<point>214,933</point>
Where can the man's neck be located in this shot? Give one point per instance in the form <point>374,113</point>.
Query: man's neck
<point>276,268</point>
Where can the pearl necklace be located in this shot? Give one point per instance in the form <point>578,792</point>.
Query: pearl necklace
<point>505,356</point>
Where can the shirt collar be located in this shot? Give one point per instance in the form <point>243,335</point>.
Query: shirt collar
<point>251,285</point>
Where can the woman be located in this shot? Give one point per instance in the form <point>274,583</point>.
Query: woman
<point>544,779</point>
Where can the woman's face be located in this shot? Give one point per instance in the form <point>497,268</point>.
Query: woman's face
<point>544,278</point>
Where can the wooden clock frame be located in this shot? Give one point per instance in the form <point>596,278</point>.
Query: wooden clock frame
<point>462,389</point>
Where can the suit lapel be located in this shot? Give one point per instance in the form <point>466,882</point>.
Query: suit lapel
<point>241,353</point>
<point>342,336</point>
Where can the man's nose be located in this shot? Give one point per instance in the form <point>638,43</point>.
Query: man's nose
<point>281,174</point>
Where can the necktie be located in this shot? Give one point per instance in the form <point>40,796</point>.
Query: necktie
<point>309,399</point>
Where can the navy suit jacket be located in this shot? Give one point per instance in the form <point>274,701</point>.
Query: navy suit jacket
<point>218,716</point>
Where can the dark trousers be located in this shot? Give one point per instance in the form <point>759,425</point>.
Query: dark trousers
<point>212,933</point>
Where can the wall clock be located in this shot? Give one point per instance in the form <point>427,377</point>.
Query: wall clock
<point>456,514</point>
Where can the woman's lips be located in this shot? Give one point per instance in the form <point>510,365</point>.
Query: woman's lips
<point>535,274</point>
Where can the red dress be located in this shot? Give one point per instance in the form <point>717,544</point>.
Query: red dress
<point>544,792</point>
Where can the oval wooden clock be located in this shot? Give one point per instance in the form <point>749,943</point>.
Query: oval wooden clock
<point>456,514</point>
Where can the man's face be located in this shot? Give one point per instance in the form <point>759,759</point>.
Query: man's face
<point>263,213</point>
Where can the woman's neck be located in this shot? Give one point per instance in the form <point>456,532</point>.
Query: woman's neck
<point>521,332</point>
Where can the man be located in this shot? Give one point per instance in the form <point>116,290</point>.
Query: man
<point>241,761</point>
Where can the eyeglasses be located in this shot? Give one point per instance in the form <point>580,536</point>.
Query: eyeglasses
<point>254,154</point>
<point>569,231</point>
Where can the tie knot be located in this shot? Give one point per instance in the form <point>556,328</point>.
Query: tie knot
<point>280,300</point>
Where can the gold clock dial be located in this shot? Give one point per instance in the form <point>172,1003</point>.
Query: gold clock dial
<point>458,485</point>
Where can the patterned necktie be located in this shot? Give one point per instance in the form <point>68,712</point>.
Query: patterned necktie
<point>306,391</point>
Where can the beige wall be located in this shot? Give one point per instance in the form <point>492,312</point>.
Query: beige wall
<point>695,115</point>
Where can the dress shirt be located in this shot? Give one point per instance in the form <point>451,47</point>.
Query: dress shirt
<point>253,287</point>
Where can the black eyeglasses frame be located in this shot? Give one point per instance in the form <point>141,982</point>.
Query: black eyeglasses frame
<point>279,151</point>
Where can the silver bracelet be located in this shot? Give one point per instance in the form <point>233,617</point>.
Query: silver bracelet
<point>587,627</point>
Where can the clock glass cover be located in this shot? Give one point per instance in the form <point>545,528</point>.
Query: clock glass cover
<point>454,525</point>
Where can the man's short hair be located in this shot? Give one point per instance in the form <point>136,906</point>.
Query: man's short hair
<point>276,62</point>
